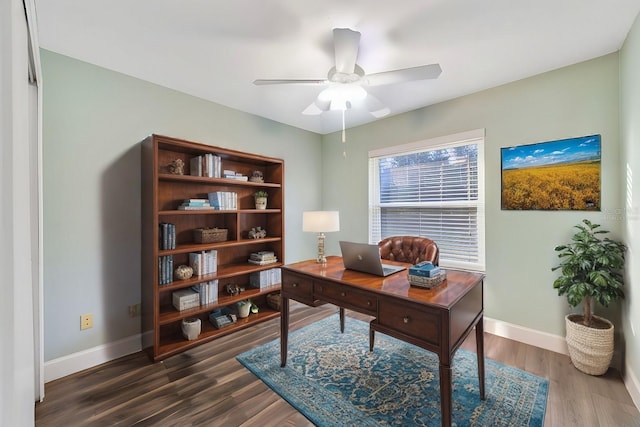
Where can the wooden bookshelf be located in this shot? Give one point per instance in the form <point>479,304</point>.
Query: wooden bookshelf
<point>162,193</point>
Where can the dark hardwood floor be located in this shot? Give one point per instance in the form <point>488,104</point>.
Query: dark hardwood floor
<point>207,386</point>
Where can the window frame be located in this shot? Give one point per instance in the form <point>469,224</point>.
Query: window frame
<point>454,140</point>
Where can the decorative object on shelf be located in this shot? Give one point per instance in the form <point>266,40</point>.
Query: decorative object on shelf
<point>244,307</point>
<point>256,176</point>
<point>191,328</point>
<point>257,233</point>
<point>321,222</point>
<point>274,300</point>
<point>176,167</point>
<point>183,272</point>
<point>233,289</point>
<point>591,268</point>
<point>220,320</point>
<point>210,235</point>
<point>261,199</point>
<point>185,299</point>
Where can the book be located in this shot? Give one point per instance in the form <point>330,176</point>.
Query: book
<point>195,166</point>
<point>194,208</point>
<point>267,262</point>
<point>424,269</point>
<point>195,201</point>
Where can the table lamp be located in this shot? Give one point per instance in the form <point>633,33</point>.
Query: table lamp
<point>320,222</point>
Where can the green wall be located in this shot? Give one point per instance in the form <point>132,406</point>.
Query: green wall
<point>93,121</point>
<point>630,188</point>
<point>574,101</point>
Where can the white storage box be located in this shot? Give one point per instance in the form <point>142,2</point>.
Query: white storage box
<point>185,299</point>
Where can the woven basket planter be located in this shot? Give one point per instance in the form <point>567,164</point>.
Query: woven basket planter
<point>590,349</point>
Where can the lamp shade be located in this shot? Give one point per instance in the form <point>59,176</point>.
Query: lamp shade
<point>320,221</point>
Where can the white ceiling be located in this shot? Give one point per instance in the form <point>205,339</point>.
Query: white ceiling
<point>214,49</point>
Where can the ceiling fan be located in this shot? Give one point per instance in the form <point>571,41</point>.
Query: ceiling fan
<point>346,80</point>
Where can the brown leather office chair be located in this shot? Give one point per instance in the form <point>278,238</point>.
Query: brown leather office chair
<point>409,249</point>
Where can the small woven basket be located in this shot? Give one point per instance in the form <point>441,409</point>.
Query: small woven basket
<point>210,235</point>
<point>274,301</point>
<point>426,282</point>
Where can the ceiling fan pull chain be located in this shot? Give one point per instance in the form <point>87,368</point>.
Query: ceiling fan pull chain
<point>344,136</point>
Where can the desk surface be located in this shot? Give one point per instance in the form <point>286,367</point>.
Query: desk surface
<point>444,295</point>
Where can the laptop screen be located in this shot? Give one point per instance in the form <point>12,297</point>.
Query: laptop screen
<point>365,257</point>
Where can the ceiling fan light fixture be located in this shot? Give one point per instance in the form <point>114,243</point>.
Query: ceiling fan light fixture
<point>342,96</point>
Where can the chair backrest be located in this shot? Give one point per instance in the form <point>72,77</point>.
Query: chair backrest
<point>409,249</point>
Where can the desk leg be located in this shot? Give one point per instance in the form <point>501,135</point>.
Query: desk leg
<point>341,320</point>
<point>284,330</point>
<point>445,394</point>
<point>480,353</point>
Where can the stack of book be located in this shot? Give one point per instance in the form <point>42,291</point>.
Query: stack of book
<point>265,279</point>
<point>205,262</point>
<point>194,204</point>
<point>207,291</point>
<point>185,299</point>
<point>425,269</point>
<point>165,269</point>
<point>224,200</point>
<point>208,165</point>
<point>167,236</point>
<point>229,174</point>
<point>263,258</point>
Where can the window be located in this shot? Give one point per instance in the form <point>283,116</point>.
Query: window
<point>433,189</point>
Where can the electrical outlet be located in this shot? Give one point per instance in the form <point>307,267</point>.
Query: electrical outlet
<point>134,310</point>
<point>86,321</point>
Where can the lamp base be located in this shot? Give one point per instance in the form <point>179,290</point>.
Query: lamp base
<point>321,259</point>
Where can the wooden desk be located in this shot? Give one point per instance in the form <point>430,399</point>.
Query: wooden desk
<point>436,319</point>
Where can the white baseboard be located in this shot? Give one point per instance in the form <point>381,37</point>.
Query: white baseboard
<point>524,335</point>
<point>76,362</point>
<point>630,379</point>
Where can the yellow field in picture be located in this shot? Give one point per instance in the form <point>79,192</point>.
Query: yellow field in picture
<point>574,186</point>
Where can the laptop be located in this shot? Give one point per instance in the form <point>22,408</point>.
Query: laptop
<point>366,258</point>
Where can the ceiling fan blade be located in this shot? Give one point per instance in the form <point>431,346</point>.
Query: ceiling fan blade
<point>423,72</point>
<point>260,82</point>
<point>376,107</point>
<point>345,43</point>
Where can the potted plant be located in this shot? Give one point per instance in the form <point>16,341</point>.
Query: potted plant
<point>246,306</point>
<point>591,270</point>
<point>261,199</point>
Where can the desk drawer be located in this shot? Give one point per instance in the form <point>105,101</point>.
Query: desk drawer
<point>347,297</point>
<point>297,287</point>
<point>419,322</point>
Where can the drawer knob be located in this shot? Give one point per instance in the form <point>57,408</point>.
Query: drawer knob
<point>369,303</point>
<point>406,319</point>
<point>294,285</point>
<point>343,294</point>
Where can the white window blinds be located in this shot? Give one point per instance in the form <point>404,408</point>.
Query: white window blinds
<point>432,189</point>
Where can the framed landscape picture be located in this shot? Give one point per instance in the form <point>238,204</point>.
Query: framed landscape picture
<point>553,175</point>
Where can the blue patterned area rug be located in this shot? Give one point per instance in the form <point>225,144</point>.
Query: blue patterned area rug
<point>334,380</point>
